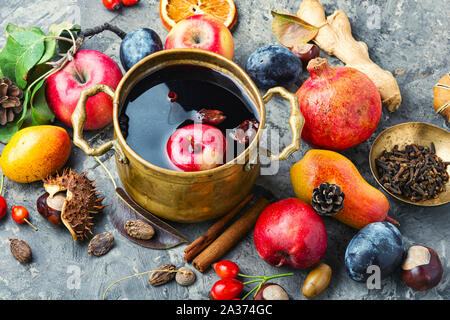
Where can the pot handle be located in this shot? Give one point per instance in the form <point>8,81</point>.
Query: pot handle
<point>79,119</point>
<point>296,122</point>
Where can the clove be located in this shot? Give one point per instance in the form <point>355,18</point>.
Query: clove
<point>415,172</point>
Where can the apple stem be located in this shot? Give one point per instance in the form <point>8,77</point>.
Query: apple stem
<point>60,38</point>
<point>393,221</point>
<point>282,261</point>
<point>79,75</point>
<point>191,140</point>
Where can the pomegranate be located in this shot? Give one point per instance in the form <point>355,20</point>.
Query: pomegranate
<point>341,106</point>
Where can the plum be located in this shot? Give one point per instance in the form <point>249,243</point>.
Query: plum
<point>380,244</point>
<point>272,65</point>
<point>137,45</point>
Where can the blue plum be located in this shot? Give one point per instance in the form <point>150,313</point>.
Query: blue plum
<point>272,65</point>
<point>137,45</point>
<point>380,244</point>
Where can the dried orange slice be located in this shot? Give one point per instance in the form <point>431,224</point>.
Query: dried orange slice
<point>173,11</point>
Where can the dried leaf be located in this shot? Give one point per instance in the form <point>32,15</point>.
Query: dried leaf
<point>125,209</point>
<point>291,30</point>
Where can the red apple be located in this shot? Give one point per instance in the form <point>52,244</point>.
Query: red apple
<point>290,233</point>
<point>197,147</point>
<point>201,32</point>
<point>64,87</point>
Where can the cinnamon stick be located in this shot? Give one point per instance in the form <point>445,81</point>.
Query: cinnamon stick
<point>211,234</point>
<point>230,236</point>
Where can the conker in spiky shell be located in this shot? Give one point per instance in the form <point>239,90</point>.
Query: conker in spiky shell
<point>341,106</point>
<point>81,204</point>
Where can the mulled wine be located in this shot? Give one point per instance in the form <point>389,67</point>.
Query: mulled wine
<point>177,97</point>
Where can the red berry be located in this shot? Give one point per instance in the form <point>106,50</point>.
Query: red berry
<point>19,214</point>
<point>129,3</point>
<point>226,289</point>
<point>226,269</point>
<point>3,207</point>
<point>112,4</point>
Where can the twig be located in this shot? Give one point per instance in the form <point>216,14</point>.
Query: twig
<point>141,274</point>
<point>107,171</point>
<point>99,29</point>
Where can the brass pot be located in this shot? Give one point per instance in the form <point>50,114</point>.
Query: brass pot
<point>186,196</point>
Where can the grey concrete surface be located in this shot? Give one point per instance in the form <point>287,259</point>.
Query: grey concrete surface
<point>412,36</point>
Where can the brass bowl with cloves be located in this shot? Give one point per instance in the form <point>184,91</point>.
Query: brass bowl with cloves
<point>411,162</point>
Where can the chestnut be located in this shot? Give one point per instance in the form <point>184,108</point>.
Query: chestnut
<point>422,269</point>
<point>306,52</point>
<point>51,207</point>
<point>271,291</point>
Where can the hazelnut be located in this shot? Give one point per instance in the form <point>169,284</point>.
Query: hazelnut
<point>317,281</point>
<point>422,269</point>
<point>271,291</point>
<point>185,278</point>
<point>306,52</point>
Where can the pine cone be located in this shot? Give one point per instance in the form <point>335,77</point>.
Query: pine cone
<point>328,199</point>
<point>10,101</point>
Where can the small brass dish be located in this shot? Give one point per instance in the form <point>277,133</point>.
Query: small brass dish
<point>421,134</point>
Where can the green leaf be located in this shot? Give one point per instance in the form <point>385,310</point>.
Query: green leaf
<point>291,30</point>
<point>23,50</point>
<point>12,28</point>
<point>23,61</point>
<point>17,31</point>
<point>54,30</point>
<point>8,131</point>
<point>60,30</point>
<point>40,111</point>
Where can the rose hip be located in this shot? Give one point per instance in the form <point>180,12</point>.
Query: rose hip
<point>210,116</point>
<point>226,269</point>
<point>20,215</point>
<point>129,3</point>
<point>3,204</point>
<point>226,289</point>
<point>3,207</point>
<point>112,4</point>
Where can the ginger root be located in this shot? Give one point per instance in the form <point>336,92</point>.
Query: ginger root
<point>335,38</point>
<point>441,97</point>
